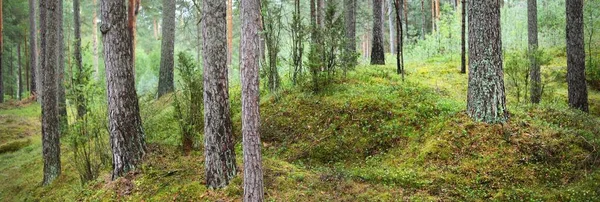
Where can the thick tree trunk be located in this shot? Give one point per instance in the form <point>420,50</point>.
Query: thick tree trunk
<point>534,74</point>
<point>229,31</point>
<point>50,34</point>
<point>486,98</point>
<point>33,57</point>
<point>95,40</point>
<point>253,173</point>
<point>125,125</point>
<point>218,140</point>
<point>81,106</point>
<point>578,95</point>
<point>167,63</point>
<point>463,49</point>
<point>42,63</point>
<point>377,55</point>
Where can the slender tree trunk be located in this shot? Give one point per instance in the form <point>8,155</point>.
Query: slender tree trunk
<point>405,18</point>
<point>125,125</point>
<point>399,53</point>
<point>320,13</point>
<point>50,35</point>
<point>578,95</point>
<point>62,98</point>
<point>350,23</point>
<point>167,62</point>
<point>95,40</point>
<point>26,67</point>
<point>253,173</point>
<point>33,59</point>
<point>1,50</point>
<point>377,55</point>
<point>19,72</point>
<point>218,140</point>
<point>42,63</point>
<point>433,29</point>
<point>463,51</point>
<point>81,106</point>
<point>534,75</point>
<point>391,25</point>
<point>423,20</point>
<point>229,32</point>
<point>486,100</point>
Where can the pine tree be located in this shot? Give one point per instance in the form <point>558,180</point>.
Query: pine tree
<point>377,53</point>
<point>536,87</point>
<point>165,80</point>
<point>578,95</point>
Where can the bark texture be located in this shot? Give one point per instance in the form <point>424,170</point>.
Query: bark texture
<point>534,73</point>
<point>218,140</point>
<point>486,97</point>
<point>377,54</point>
<point>229,31</point>
<point>1,48</point>
<point>33,57</point>
<point>167,62</point>
<point>578,95</point>
<point>81,107</point>
<point>391,5</point>
<point>126,133</point>
<point>253,172</point>
<point>62,98</point>
<point>350,24</point>
<point>50,116</point>
<point>19,72</point>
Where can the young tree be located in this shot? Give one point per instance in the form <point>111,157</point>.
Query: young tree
<point>253,173</point>
<point>125,125</point>
<point>377,55</point>
<point>33,57</point>
<point>165,80</point>
<point>298,35</point>
<point>218,139</point>
<point>578,95</point>
<point>50,33</point>
<point>486,100</point>
<point>350,28</point>
<point>463,49</point>
<point>536,81</point>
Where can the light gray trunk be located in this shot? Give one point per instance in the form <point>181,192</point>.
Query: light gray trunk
<point>50,118</point>
<point>253,173</point>
<point>125,125</point>
<point>486,98</point>
<point>167,63</point>
<point>578,95</point>
<point>218,140</point>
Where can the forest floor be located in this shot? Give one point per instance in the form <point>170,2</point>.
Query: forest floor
<point>367,137</point>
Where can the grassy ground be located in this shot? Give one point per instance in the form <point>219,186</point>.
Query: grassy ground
<point>366,137</point>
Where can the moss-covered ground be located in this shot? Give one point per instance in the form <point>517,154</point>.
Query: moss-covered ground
<point>368,136</point>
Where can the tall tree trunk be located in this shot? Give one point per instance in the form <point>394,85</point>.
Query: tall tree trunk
<point>320,13</point>
<point>391,25</point>
<point>1,50</point>
<point>229,31</point>
<point>399,53</point>
<point>33,57</point>
<point>536,81</point>
<point>253,173</point>
<point>350,24</point>
<point>423,20</point>
<point>132,10</point>
<point>578,95</point>
<point>463,49</point>
<point>50,33</point>
<point>377,55</point>
<point>218,140</point>
<point>19,72</point>
<point>433,28</point>
<point>167,62</point>
<point>81,106</point>
<point>95,40</point>
<point>26,67</point>
<point>486,100</point>
<point>405,18</point>
<point>125,125</point>
<point>62,98</point>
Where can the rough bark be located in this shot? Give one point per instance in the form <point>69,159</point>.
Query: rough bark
<point>578,95</point>
<point>350,24</point>
<point>377,54</point>
<point>405,17</point>
<point>253,173</point>
<point>126,133</point>
<point>218,140</point>
<point>81,107</point>
<point>391,25</point>
<point>62,98</point>
<point>33,57</point>
<point>534,74</point>
<point>486,97</point>
<point>42,62</point>
<point>399,53</point>
<point>167,62</point>
<point>50,117</point>
<point>463,34</point>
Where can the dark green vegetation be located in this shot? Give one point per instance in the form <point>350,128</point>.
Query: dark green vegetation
<point>366,137</point>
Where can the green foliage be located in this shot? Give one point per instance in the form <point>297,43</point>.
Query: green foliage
<point>271,16</point>
<point>188,102</point>
<point>517,70</point>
